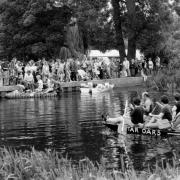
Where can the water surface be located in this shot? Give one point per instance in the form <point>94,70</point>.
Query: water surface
<point>72,125</point>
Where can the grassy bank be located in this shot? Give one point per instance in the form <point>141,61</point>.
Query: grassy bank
<point>34,165</point>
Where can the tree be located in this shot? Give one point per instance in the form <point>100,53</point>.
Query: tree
<point>118,28</point>
<point>33,28</point>
<point>39,28</point>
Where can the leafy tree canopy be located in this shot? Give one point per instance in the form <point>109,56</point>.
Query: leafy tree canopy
<point>36,28</point>
<point>33,28</point>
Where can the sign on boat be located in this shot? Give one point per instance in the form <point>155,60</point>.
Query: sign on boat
<point>144,131</point>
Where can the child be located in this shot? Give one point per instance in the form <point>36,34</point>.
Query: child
<point>124,72</point>
<point>29,80</point>
<point>49,85</point>
<point>20,78</point>
<point>39,84</point>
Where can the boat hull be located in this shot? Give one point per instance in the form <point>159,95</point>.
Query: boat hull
<point>143,131</point>
<point>94,90</point>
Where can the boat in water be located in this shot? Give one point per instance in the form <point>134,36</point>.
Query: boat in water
<point>141,131</point>
<point>124,126</point>
<point>25,95</point>
<point>93,88</point>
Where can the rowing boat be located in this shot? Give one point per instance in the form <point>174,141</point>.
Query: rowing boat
<point>141,131</point>
<point>123,125</point>
<point>30,95</point>
<point>100,88</point>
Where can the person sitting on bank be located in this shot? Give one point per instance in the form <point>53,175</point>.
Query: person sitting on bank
<point>29,80</point>
<point>146,103</point>
<point>162,120</point>
<point>39,84</point>
<point>48,84</point>
<point>137,113</point>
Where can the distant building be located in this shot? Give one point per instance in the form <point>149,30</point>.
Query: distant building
<point>110,54</point>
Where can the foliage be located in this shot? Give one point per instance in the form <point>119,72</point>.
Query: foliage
<point>161,38</point>
<point>153,23</point>
<point>170,76</point>
<point>51,166</point>
<point>40,28</point>
<point>33,28</point>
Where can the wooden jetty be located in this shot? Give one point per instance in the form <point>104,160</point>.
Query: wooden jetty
<point>6,89</point>
<point>118,83</point>
<point>75,85</point>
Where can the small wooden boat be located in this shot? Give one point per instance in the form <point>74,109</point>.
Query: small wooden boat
<point>30,95</point>
<point>142,131</point>
<point>123,125</point>
<point>100,88</point>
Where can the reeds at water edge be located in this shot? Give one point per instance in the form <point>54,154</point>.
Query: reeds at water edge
<point>50,165</point>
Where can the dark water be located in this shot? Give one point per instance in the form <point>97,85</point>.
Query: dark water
<point>72,125</point>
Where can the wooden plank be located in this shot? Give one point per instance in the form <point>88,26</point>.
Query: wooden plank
<point>118,82</point>
<point>9,88</point>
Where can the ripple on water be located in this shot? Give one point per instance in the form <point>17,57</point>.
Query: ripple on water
<point>72,125</point>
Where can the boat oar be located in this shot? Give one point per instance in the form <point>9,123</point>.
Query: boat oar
<point>126,106</point>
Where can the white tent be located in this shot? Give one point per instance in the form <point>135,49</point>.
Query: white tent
<point>110,53</point>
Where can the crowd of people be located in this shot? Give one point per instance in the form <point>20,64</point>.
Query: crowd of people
<point>37,75</point>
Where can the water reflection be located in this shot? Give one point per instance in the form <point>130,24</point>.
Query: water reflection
<point>72,125</point>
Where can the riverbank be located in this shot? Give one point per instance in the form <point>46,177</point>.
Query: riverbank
<point>34,165</point>
<point>75,85</point>
<point>118,82</point>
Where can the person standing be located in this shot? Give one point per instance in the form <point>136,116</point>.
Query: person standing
<point>1,76</point>
<point>45,69</point>
<point>158,63</point>
<point>29,80</point>
<point>150,65</point>
<point>132,68</point>
<point>5,70</point>
<point>73,69</point>
<point>126,66</point>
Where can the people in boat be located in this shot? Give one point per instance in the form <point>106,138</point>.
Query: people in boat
<point>162,120</point>
<point>146,103</point>
<point>176,119</point>
<point>177,100</point>
<point>137,113</point>
<point>39,84</point>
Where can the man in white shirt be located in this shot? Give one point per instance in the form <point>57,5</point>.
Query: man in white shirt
<point>151,66</point>
<point>158,63</point>
<point>126,66</point>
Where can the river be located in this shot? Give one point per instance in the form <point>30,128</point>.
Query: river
<point>72,125</point>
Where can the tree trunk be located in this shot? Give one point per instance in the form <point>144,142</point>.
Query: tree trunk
<point>131,29</point>
<point>118,29</point>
